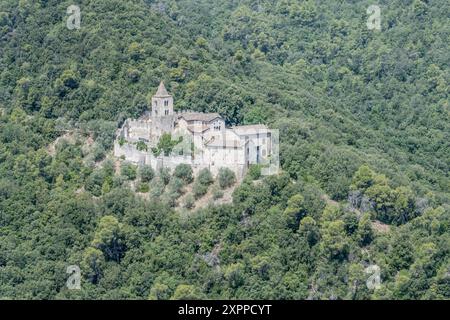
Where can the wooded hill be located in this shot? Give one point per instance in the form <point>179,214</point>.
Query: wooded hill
<point>365,153</point>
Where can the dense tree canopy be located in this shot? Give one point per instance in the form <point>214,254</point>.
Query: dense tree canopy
<point>364,127</point>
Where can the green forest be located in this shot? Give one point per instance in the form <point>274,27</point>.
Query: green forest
<point>364,122</point>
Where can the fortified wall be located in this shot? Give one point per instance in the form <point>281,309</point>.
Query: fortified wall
<point>130,153</point>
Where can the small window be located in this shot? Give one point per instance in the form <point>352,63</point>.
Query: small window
<point>166,103</point>
<point>156,103</point>
<point>166,112</point>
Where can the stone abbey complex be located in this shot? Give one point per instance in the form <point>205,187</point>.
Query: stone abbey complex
<point>164,138</point>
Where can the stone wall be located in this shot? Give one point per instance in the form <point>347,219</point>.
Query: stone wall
<point>130,153</point>
<point>145,129</point>
<point>135,130</point>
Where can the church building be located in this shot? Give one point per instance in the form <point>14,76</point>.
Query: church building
<point>204,140</point>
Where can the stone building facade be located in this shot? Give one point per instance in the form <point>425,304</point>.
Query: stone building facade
<point>204,140</point>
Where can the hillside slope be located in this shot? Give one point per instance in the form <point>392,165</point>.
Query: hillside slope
<point>363,118</point>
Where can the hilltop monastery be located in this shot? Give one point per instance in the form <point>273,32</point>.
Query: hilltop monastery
<point>206,141</point>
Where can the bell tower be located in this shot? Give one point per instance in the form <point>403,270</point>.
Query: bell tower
<point>162,102</point>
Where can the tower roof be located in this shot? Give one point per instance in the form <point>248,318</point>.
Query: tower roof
<point>162,92</point>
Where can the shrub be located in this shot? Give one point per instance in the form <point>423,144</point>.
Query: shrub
<point>159,291</point>
<point>226,178</point>
<point>166,144</point>
<point>141,146</point>
<point>128,170</point>
<point>106,187</point>
<point>146,173</point>
<point>133,75</point>
<point>156,152</point>
<point>184,172</point>
<point>95,182</point>
<point>117,181</point>
<point>189,202</point>
<point>98,153</point>
<point>186,292</point>
<point>235,275</point>
<point>199,189</point>
<point>205,177</point>
<point>143,187</point>
<point>173,191</point>
<point>176,186</point>
<point>170,198</point>
<point>164,174</point>
<point>217,193</point>
<point>254,171</point>
<point>109,168</point>
<point>157,188</point>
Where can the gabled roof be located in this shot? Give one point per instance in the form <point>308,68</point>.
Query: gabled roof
<point>162,92</point>
<point>200,116</point>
